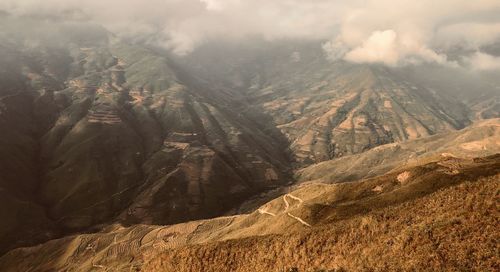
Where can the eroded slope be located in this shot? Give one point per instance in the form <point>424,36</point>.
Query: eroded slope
<point>328,109</point>
<point>95,130</point>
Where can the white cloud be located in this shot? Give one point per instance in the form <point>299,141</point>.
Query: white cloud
<point>405,32</point>
<point>418,30</point>
<point>481,61</point>
<point>389,48</point>
<point>379,47</point>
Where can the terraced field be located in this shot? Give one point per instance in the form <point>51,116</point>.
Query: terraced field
<point>102,131</point>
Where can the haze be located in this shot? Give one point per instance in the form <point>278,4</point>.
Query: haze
<point>392,32</point>
<point>249,135</point>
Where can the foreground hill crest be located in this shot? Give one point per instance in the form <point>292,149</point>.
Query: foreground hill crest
<point>384,215</point>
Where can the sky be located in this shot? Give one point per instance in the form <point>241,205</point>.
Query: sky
<point>392,32</point>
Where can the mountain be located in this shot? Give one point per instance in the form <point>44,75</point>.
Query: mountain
<point>96,130</point>
<point>479,91</point>
<point>116,154</point>
<point>329,109</point>
<point>376,224</point>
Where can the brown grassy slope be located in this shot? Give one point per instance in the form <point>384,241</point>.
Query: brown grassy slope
<point>478,140</point>
<point>453,229</point>
<point>335,212</point>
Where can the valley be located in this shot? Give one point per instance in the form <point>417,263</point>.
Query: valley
<point>118,155</point>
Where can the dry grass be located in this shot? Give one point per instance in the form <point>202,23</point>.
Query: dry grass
<point>454,229</point>
<point>442,217</point>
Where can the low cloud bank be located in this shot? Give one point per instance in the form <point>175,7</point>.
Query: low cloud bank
<point>393,32</point>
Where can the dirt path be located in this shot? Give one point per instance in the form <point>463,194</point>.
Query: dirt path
<point>264,211</point>
<point>287,206</point>
<point>299,219</point>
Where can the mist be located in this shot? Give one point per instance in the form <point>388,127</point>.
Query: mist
<point>391,32</point>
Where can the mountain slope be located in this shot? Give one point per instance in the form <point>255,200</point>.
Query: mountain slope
<point>98,131</point>
<point>328,109</point>
<point>360,223</point>
<point>477,140</point>
<point>427,234</point>
<point>103,140</point>
<point>480,139</point>
<point>479,90</point>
